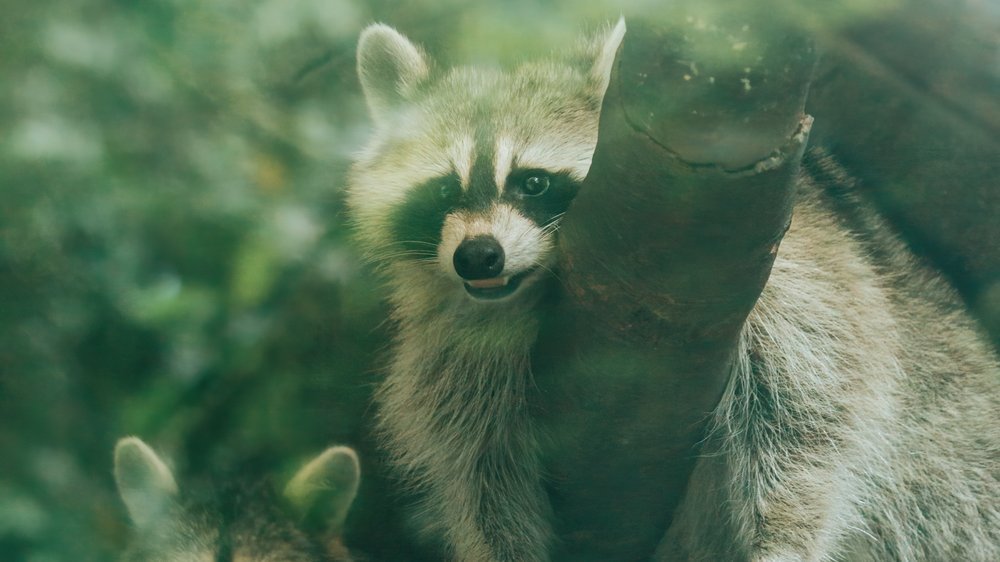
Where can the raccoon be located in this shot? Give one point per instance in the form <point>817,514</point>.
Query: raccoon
<point>457,199</point>
<point>239,521</point>
<point>860,421</point>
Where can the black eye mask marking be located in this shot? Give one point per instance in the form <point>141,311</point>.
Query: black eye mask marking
<point>417,222</point>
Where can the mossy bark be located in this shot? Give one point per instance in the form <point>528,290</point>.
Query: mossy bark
<point>666,249</point>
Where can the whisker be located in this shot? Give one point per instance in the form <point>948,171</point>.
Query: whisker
<point>549,270</point>
<point>404,254</point>
<point>412,242</point>
<point>405,249</point>
<point>552,225</point>
<point>389,256</point>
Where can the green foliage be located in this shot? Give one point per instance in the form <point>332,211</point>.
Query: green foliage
<point>173,261</point>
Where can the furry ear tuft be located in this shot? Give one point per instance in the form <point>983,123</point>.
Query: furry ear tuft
<point>326,486</point>
<point>389,67</point>
<point>605,51</point>
<point>144,482</point>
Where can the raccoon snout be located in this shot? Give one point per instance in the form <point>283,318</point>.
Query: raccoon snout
<point>480,257</point>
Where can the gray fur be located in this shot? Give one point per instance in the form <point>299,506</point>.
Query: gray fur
<point>860,422</point>
<point>243,521</point>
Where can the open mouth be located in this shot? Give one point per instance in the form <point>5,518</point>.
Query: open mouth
<point>495,287</point>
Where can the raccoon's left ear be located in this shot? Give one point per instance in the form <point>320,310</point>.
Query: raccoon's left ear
<point>390,67</point>
<point>604,50</point>
<point>323,490</point>
<point>145,483</point>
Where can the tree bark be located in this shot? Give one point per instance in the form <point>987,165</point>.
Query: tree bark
<point>666,249</point>
<point>907,98</point>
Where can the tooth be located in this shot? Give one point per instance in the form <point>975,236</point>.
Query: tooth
<point>490,283</point>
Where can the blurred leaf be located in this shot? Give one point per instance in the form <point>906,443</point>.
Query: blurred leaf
<point>255,269</point>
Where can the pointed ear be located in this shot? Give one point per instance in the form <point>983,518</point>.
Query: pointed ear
<point>604,50</point>
<point>326,486</point>
<point>390,67</point>
<point>145,483</point>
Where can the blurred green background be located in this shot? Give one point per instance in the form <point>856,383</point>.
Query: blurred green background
<point>174,260</point>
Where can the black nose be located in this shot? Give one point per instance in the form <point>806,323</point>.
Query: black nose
<point>479,258</point>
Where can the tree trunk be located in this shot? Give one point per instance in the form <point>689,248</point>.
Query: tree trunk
<point>666,249</point>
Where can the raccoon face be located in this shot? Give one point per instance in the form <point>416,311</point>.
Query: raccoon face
<point>469,171</point>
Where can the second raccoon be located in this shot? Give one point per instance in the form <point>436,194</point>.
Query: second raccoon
<point>239,521</point>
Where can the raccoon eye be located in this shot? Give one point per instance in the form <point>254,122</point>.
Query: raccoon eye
<point>533,186</point>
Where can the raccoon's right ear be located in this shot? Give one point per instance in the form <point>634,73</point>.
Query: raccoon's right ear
<point>322,491</point>
<point>145,483</point>
<point>390,67</point>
